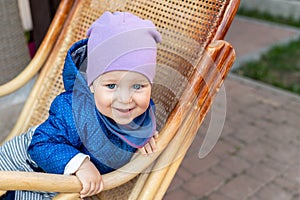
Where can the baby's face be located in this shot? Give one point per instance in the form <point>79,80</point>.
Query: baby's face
<point>122,95</point>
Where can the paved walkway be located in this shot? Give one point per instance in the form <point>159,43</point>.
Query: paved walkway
<point>258,154</point>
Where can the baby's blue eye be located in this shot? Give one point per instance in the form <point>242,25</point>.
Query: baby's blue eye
<point>111,86</point>
<point>137,86</point>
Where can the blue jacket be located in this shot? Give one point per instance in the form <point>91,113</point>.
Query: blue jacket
<point>74,124</point>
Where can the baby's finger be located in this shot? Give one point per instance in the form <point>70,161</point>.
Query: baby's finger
<point>85,190</point>
<point>153,145</point>
<point>156,134</point>
<point>92,190</point>
<point>148,147</point>
<point>142,151</point>
<point>99,187</point>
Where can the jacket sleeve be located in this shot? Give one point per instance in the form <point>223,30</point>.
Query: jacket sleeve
<point>55,142</point>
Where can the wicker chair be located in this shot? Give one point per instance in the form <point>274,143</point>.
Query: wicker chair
<point>193,61</point>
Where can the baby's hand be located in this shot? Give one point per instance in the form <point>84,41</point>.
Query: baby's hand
<point>90,179</point>
<point>150,147</point>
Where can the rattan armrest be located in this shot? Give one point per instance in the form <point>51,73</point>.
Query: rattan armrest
<point>43,52</point>
<point>12,180</point>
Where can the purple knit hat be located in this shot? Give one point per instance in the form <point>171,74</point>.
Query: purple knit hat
<point>122,41</point>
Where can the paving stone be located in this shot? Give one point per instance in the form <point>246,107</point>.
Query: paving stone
<point>240,187</point>
<point>217,196</point>
<point>249,133</point>
<point>176,183</point>
<point>276,150</point>
<point>253,153</point>
<point>235,164</point>
<point>257,110</point>
<point>296,196</point>
<point>253,198</point>
<point>283,115</point>
<point>196,144</point>
<point>223,148</point>
<point>196,165</point>
<point>183,173</point>
<point>262,173</point>
<point>278,166</point>
<point>234,141</point>
<point>287,185</point>
<point>273,192</point>
<point>179,194</point>
<point>266,125</point>
<point>222,171</point>
<point>291,105</point>
<point>203,184</point>
<point>294,174</point>
<point>286,134</point>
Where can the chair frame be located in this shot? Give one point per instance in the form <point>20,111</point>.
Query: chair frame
<point>179,130</point>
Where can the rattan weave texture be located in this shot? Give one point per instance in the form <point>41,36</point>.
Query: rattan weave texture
<point>187,28</point>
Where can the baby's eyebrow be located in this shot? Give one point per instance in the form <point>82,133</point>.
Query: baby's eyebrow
<point>139,80</point>
<point>108,80</point>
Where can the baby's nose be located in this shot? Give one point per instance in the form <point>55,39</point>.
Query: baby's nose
<point>124,96</point>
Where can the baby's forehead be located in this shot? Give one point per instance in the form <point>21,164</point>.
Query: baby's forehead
<point>120,75</point>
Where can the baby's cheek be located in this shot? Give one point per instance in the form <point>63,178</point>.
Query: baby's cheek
<point>103,104</point>
<point>144,103</point>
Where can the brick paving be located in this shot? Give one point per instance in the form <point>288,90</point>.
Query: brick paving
<point>257,156</point>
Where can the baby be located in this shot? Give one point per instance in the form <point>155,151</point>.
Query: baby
<point>105,113</point>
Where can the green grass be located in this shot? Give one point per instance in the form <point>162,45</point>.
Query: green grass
<point>268,17</point>
<point>280,66</point>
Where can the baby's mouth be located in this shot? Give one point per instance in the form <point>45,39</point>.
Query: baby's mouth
<point>127,110</point>
<point>124,110</point>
